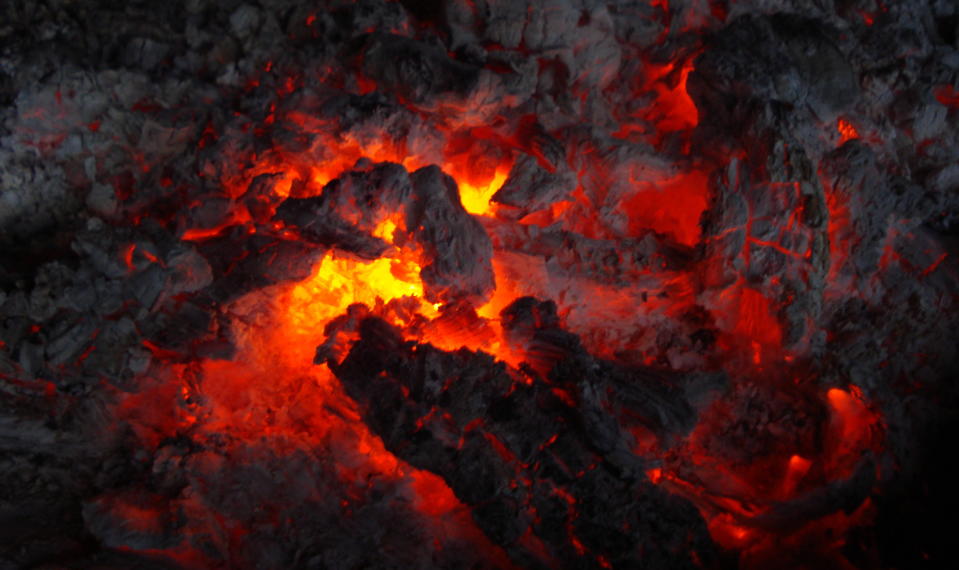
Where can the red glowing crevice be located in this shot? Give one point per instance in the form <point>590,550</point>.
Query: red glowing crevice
<point>948,95</point>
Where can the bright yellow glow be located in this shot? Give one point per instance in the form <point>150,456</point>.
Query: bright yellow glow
<point>321,177</point>
<point>476,199</point>
<point>284,185</point>
<point>337,283</point>
<point>386,229</point>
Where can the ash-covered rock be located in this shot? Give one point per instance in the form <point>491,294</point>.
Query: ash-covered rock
<point>350,207</point>
<point>458,251</point>
<point>530,187</point>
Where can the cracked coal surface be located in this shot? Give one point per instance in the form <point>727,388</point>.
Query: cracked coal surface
<point>478,284</point>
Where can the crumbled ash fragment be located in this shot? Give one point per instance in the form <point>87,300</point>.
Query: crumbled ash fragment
<point>618,261</point>
<point>806,68</point>
<point>420,73</point>
<point>241,262</point>
<point>424,76</point>
<point>530,187</point>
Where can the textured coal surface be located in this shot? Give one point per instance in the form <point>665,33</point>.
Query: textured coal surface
<point>529,462</point>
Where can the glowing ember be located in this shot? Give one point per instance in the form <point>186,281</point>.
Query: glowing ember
<point>338,283</point>
<point>847,132</point>
<point>672,207</point>
<point>948,95</point>
<point>476,199</point>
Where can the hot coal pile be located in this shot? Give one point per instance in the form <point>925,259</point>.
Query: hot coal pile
<point>478,284</point>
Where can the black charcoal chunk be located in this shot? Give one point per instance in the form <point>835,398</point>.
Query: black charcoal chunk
<point>458,251</point>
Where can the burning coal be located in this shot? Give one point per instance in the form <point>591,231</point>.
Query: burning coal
<point>477,284</point>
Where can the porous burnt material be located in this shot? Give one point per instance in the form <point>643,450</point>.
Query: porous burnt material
<point>544,463</point>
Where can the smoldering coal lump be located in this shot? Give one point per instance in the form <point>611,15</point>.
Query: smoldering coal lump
<point>539,456</point>
<point>346,212</point>
<point>458,250</point>
<point>530,187</point>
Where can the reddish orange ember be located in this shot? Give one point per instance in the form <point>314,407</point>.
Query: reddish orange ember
<point>847,132</point>
<point>672,207</point>
<point>948,95</point>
